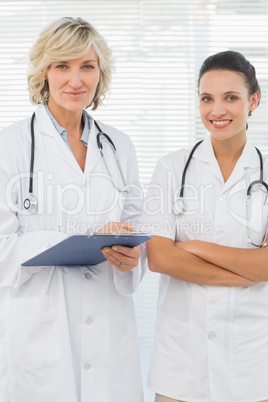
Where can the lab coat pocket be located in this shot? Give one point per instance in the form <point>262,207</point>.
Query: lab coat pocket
<point>174,298</point>
<point>250,341</point>
<point>251,310</point>
<point>250,351</point>
<point>171,358</point>
<point>33,335</point>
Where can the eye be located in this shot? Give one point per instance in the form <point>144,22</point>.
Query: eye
<point>206,99</point>
<point>61,66</point>
<point>88,67</point>
<point>232,98</point>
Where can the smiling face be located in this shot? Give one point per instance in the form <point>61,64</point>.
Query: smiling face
<point>73,83</point>
<point>224,104</point>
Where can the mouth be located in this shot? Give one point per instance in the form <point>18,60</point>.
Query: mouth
<point>220,123</point>
<point>75,95</point>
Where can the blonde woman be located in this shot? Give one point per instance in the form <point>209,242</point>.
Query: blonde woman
<point>67,334</point>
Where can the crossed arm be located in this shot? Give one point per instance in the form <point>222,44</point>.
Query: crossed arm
<point>207,263</point>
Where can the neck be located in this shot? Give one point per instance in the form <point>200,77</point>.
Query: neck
<point>229,149</point>
<point>227,153</point>
<point>72,121</point>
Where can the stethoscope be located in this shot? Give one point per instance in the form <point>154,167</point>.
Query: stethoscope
<point>181,206</point>
<point>125,189</point>
<point>30,203</point>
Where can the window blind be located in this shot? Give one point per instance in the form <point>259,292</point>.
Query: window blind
<point>158,46</point>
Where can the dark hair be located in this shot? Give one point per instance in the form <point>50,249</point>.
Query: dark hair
<point>232,61</point>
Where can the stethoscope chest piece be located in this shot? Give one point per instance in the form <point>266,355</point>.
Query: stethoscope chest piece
<point>30,203</point>
<point>179,206</point>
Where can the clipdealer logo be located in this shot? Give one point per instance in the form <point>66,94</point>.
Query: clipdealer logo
<point>208,208</point>
<point>96,195</point>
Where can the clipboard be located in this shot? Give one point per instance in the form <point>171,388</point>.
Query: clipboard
<point>84,249</point>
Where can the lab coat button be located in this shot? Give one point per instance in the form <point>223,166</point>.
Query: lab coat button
<point>89,320</point>
<point>88,275</point>
<point>211,336</point>
<point>212,301</point>
<point>219,231</point>
<point>86,182</point>
<point>87,366</point>
<point>222,197</point>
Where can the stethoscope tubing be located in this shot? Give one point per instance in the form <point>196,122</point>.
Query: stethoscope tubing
<point>32,155</point>
<point>260,181</point>
<point>186,168</point>
<point>183,206</point>
<point>100,146</point>
<point>31,202</point>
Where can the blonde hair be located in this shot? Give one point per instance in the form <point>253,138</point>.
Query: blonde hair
<point>67,39</point>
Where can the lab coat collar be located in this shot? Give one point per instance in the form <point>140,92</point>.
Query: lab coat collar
<point>47,128</point>
<point>52,138</point>
<point>205,151</point>
<point>45,125</point>
<point>248,159</point>
<point>93,153</point>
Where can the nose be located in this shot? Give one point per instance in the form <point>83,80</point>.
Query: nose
<point>75,79</point>
<point>218,109</point>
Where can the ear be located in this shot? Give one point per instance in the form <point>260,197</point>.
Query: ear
<point>254,101</point>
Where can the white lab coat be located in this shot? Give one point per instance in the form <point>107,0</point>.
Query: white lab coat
<point>66,334</point>
<point>211,342</point>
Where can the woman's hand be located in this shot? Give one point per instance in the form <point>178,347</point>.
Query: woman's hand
<point>122,258</point>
